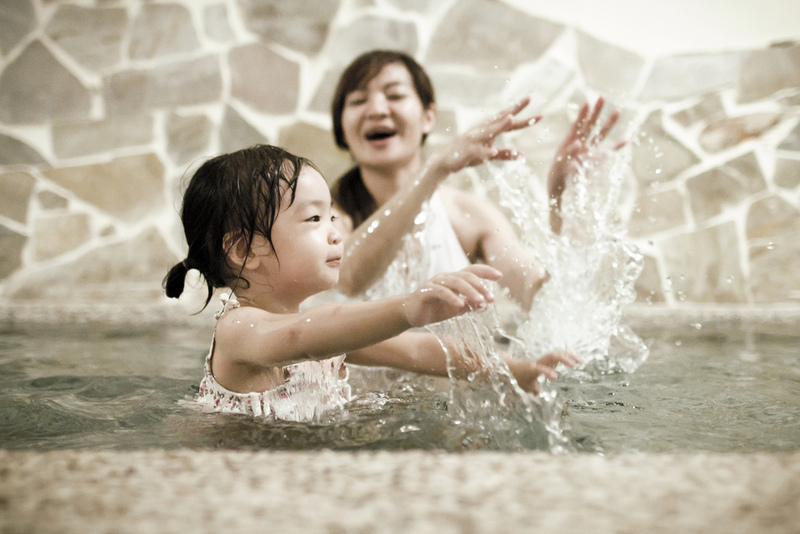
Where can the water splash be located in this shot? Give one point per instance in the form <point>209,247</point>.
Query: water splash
<point>592,265</point>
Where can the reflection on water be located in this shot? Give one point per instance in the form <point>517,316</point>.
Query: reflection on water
<point>734,393</point>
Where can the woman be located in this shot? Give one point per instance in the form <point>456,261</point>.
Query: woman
<point>383,110</point>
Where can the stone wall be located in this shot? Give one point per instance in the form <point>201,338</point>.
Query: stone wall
<point>105,105</point>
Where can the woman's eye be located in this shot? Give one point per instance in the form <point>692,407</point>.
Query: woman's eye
<point>395,96</point>
<point>356,101</point>
<point>334,218</point>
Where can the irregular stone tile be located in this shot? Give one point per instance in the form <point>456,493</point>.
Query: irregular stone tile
<point>728,132</point>
<point>317,145</point>
<point>773,272</point>
<point>481,91</point>
<point>11,243</point>
<point>162,30</point>
<point>656,155</point>
<point>764,72</point>
<point>791,141</point>
<point>648,285</point>
<point>774,219</point>
<point>216,23</point>
<point>91,35</point>
<point>470,33</point>
<point>323,98</point>
<point>787,172</point>
<point>370,33</point>
<point>611,70</point>
<point>13,151</point>
<point>81,138</point>
<point>727,186</point>
<point>35,88</point>
<point>264,79</point>
<point>657,212</point>
<point>17,19</point>
<point>51,201</point>
<point>420,6</point>
<point>127,271</point>
<point>54,235</point>
<point>683,76</point>
<point>188,136</point>
<point>542,81</point>
<point>709,108</point>
<point>301,25</point>
<point>15,194</point>
<point>128,187</point>
<point>176,84</point>
<point>235,133</point>
<point>704,266</point>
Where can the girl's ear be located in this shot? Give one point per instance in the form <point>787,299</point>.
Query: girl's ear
<point>237,253</point>
<point>429,119</point>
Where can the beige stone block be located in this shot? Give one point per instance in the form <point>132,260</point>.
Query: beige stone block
<point>775,272</point>
<point>317,145</point>
<point>236,133</point>
<point>677,77</point>
<point>93,36</point>
<point>657,156</point>
<point>166,85</point>
<point>657,212</point>
<point>709,108</point>
<point>773,219</point>
<point>490,36</point>
<point>609,69</point>
<point>300,25</point>
<point>787,172</point>
<point>263,79</point>
<point>35,87</point>
<point>188,137</point>
<point>11,243</point>
<point>728,132</point>
<point>705,265</point>
<point>49,200</point>
<point>121,273</point>
<point>54,235</point>
<point>472,90</point>
<point>128,187</point>
<point>370,33</point>
<point>765,72</point>
<point>81,138</point>
<point>791,141</point>
<point>160,30</point>
<point>15,194</point>
<point>725,187</point>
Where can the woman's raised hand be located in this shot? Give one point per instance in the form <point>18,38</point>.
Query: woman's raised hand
<point>448,295</point>
<point>476,145</point>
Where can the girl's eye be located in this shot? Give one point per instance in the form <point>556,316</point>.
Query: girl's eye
<point>314,218</point>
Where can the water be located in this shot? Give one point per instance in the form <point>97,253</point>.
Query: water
<point>115,389</point>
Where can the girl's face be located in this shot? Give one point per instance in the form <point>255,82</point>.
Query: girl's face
<point>383,123</point>
<point>307,243</point>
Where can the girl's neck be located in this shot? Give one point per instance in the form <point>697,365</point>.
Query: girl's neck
<point>384,182</point>
<point>267,301</point>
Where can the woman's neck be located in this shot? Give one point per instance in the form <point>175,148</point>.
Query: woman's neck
<point>384,182</point>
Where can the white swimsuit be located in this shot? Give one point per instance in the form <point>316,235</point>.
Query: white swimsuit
<point>312,388</point>
<point>430,248</point>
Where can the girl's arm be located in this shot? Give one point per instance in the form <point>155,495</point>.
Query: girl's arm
<point>251,336</point>
<point>372,246</point>
<point>422,353</point>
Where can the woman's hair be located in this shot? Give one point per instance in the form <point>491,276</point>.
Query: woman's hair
<point>349,192</point>
<point>239,194</point>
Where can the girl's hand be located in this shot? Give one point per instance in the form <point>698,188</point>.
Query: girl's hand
<point>527,373</point>
<point>476,145</point>
<point>448,295</point>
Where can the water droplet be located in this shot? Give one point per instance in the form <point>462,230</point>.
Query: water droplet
<point>770,245</point>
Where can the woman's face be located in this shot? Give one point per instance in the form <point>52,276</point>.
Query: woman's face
<point>383,123</point>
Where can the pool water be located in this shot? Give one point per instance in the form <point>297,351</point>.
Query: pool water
<point>120,388</point>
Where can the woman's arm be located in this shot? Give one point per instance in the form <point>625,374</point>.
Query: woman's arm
<point>372,246</point>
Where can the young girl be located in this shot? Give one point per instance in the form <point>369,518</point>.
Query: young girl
<point>259,221</point>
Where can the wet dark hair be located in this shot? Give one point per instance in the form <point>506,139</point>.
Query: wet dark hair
<point>349,192</point>
<point>239,193</point>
